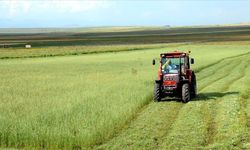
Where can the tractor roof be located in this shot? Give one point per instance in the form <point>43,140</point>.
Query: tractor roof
<point>175,53</point>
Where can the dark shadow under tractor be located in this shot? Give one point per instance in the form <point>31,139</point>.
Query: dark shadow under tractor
<point>175,78</point>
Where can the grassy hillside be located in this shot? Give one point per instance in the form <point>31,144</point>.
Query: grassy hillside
<point>104,101</point>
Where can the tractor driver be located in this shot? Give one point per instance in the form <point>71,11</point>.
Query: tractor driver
<point>167,66</point>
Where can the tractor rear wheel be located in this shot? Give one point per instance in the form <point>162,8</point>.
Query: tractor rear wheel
<point>185,93</point>
<point>193,86</point>
<point>157,92</point>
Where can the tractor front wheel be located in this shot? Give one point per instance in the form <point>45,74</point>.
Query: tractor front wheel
<point>185,93</point>
<point>157,92</point>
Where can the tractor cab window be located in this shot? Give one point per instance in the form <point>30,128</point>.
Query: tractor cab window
<point>172,65</point>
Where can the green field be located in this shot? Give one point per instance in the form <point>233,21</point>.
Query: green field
<point>104,100</point>
<point>120,36</point>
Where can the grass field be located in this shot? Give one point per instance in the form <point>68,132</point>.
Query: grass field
<point>120,36</point>
<point>7,53</point>
<point>104,101</point>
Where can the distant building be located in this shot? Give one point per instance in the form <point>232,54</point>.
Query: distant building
<point>27,46</point>
<point>4,45</point>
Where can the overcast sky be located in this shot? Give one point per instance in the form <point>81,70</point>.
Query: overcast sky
<point>82,13</point>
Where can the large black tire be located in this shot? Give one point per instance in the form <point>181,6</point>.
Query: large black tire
<point>193,86</point>
<point>185,93</point>
<point>157,92</point>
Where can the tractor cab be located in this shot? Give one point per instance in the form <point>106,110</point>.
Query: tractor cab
<point>174,71</point>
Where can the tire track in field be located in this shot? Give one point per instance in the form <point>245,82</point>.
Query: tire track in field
<point>212,107</point>
<point>147,129</point>
<point>218,66</point>
<point>234,80</point>
<point>227,71</point>
<point>241,106</point>
<point>215,69</point>
<point>171,119</point>
<point>193,107</point>
<point>173,115</point>
<point>219,61</point>
<point>219,77</point>
<point>244,116</point>
<point>230,73</point>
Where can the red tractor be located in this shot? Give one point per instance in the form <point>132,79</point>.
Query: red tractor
<point>175,78</point>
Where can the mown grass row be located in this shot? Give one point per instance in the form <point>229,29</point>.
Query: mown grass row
<point>217,119</point>
<point>153,125</point>
<point>212,120</point>
<point>83,101</point>
<point>189,130</point>
<point>228,121</point>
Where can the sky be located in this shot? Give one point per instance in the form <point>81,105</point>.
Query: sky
<point>87,13</point>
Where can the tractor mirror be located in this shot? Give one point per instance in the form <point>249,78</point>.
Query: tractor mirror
<point>153,62</point>
<point>192,61</point>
